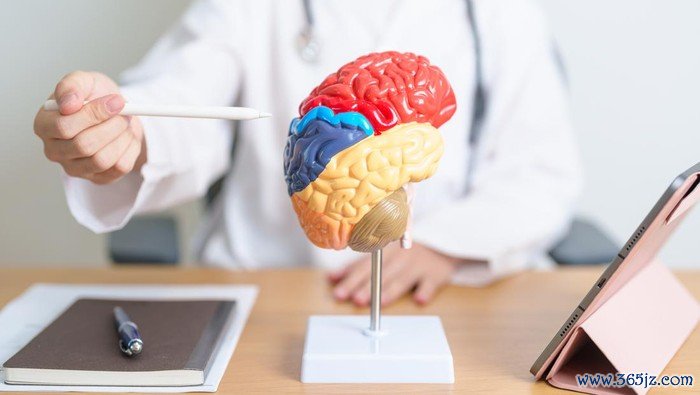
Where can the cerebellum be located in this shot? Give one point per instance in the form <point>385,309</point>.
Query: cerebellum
<point>383,224</point>
<point>363,134</point>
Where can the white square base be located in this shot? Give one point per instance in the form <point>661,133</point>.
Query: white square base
<point>411,349</point>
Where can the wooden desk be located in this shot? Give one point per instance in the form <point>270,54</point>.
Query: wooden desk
<point>495,333</point>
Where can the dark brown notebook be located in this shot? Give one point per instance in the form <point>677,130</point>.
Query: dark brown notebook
<point>81,346</point>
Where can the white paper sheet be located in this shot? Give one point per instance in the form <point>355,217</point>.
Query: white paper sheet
<point>24,317</point>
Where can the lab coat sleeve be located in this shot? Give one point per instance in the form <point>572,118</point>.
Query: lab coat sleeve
<point>527,174</point>
<point>194,63</point>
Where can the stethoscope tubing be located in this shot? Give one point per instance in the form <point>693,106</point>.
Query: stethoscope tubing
<point>309,50</point>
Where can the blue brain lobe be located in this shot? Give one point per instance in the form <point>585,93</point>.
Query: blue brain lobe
<point>310,148</point>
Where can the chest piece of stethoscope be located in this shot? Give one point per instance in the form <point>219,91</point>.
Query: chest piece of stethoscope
<point>308,46</point>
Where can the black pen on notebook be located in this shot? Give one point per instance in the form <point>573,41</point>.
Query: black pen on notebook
<point>129,338</point>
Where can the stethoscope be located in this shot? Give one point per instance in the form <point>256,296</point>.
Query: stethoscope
<point>309,50</point>
<point>307,43</point>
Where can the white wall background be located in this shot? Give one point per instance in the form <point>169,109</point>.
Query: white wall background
<point>634,71</point>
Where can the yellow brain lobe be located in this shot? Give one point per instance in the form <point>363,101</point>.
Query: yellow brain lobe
<point>358,178</point>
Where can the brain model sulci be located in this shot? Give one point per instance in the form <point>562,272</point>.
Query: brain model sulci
<point>363,134</point>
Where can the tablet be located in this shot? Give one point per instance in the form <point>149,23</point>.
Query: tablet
<point>637,253</point>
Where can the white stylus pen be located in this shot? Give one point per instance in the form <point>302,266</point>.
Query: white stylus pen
<point>156,110</point>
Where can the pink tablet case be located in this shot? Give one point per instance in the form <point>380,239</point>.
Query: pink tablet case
<point>641,318</point>
<point>637,330</point>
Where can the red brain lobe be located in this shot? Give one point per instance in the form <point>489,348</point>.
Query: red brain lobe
<point>388,88</point>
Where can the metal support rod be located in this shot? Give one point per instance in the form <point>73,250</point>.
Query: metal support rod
<point>376,282</point>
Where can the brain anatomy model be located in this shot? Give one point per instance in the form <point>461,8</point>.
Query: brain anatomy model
<point>363,135</point>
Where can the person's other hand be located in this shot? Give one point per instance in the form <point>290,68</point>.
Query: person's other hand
<point>91,141</point>
<point>419,268</point>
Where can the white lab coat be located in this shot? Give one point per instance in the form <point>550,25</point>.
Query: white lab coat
<point>526,173</point>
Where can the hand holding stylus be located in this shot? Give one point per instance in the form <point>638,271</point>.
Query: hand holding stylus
<point>88,129</point>
<point>92,140</point>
